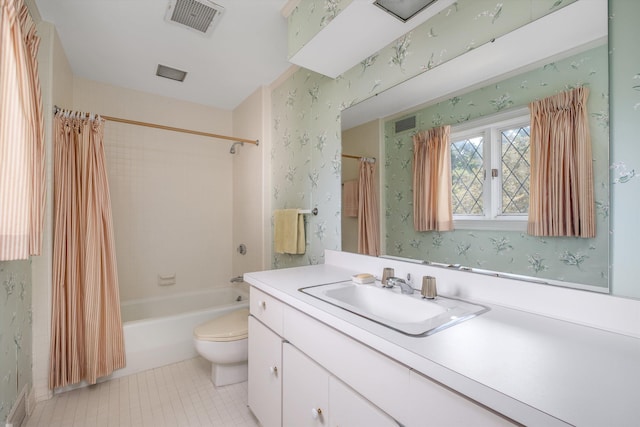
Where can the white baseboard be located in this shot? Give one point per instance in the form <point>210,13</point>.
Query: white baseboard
<point>31,401</point>
<point>18,413</point>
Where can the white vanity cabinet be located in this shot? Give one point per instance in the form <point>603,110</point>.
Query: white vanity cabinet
<point>303,372</point>
<point>312,397</point>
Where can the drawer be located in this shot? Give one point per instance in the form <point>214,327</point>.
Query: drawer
<point>267,309</point>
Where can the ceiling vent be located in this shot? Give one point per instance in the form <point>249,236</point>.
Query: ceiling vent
<point>171,73</point>
<point>403,9</point>
<point>198,15</point>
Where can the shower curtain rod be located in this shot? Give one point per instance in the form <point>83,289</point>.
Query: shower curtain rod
<point>174,129</point>
<point>366,159</point>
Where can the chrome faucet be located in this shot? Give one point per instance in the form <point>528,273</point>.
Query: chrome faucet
<point>405,287</point>
<point>237,279</point>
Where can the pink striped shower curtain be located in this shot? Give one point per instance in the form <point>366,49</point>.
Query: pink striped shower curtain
<point>368,210</point>
<point>86,337</point>
<point>22,173</point>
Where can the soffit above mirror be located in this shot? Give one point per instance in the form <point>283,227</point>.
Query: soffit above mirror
<point>547,39</point>
<point>354,34</point>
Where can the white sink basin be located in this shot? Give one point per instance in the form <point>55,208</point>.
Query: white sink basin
<point>385,304</point>
<point>409,314</point>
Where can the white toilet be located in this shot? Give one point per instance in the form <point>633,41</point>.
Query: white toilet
<point>223,342</point>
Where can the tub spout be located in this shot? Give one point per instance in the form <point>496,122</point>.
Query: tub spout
<point>237,279</point>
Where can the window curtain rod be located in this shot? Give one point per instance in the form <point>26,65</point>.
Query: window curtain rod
<point>366,159</point>
<point>174,129</point>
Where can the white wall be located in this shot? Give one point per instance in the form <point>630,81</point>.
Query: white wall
<point>171,192</point>
<point>250,122</point>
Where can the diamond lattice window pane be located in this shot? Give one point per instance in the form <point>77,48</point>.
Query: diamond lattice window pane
<point>516,170</point>
<point>467,176</point>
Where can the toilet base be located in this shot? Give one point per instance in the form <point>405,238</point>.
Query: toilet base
<point>232,373</point>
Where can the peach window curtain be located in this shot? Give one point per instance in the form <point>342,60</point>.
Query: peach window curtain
<point>86,337</point>
<point>432,180</point>
<point>368,213</point>
<point>22,165</point>
<point>561,188</point>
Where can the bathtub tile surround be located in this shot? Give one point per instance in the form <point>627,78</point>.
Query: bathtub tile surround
<point>180,394</point>
<point>169,181</point>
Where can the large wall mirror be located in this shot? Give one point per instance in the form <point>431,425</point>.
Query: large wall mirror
<point>528,64</point>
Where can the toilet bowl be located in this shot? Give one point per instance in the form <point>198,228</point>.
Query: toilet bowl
<point>223,342</point>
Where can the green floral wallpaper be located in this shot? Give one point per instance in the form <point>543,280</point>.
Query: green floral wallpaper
<point>570,259</point>
<point>15,332</point>
<point>305,154</point>
<point>309,18</point>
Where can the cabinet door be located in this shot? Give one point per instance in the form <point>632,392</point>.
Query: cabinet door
<point>265,371</point>
<point>432,404</point>
<point>349,409</point>
<point>305,397</point>
<point>378,378</point>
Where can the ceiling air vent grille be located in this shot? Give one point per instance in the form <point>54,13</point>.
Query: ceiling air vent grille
<point>199,15</point>
<point>403,9</point>
<point>170,73</point>
<point>405,124</point>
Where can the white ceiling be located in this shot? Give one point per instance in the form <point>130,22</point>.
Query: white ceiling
<point>121,42</point>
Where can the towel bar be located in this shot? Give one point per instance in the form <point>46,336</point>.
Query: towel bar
<point>309,211</point>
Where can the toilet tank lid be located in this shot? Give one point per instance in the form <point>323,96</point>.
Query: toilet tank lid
<point>228,327</point>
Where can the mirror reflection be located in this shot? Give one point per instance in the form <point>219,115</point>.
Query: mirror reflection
<point>482,245</point>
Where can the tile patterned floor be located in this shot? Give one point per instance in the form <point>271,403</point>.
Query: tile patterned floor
<point>171,396</point>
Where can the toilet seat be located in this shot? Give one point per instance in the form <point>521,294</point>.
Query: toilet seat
<point>232,326</point>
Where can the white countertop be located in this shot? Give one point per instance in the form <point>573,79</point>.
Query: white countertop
<point>535,369</point>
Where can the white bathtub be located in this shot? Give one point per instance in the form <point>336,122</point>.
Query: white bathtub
<point>158,331</point>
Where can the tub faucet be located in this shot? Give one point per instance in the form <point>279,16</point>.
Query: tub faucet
<point>405,287</point>
<point>237,279</point>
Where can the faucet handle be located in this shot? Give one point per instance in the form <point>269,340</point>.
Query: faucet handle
<point>394,281</point>
<point>405,287</point>
<point>429,290</point>
<point>387,273</point>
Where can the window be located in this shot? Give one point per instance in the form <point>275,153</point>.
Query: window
<point>490,172</point>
